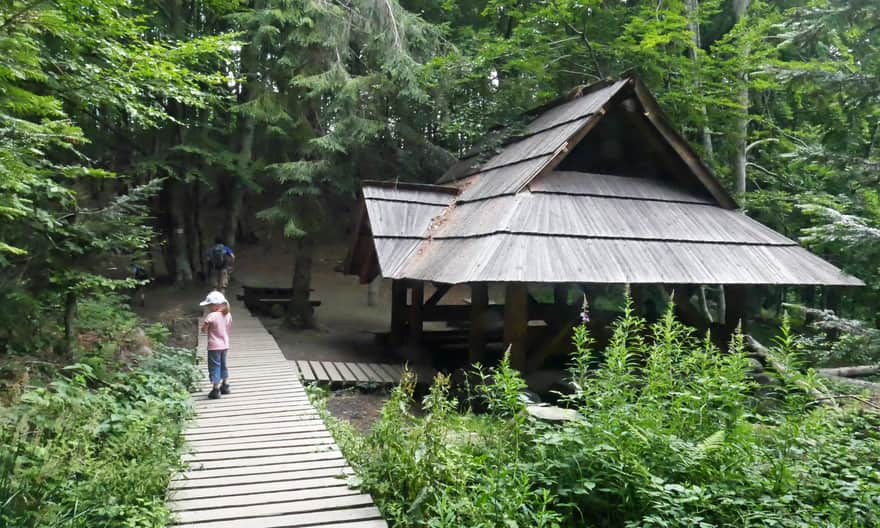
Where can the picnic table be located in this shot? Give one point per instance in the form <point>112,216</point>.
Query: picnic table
<point>261,299</point>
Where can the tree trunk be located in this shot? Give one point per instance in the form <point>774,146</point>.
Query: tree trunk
<point>741,129</point>
<point>299,311</point>
<point>250,56</point>
<point>176,210</point>
<point>693,13</point>
<point>69,324</point>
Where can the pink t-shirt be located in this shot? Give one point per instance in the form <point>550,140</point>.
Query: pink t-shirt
<point>218,330</point>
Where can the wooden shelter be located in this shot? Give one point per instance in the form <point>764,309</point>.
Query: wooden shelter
<point>596,189</point>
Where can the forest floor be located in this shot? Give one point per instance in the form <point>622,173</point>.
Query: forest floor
<point>346,324</point>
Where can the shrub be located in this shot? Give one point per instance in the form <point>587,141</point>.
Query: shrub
<point>673,433</point>
<point>90,452</point>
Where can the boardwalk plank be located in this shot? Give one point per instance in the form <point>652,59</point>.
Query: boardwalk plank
<point>308,445</point>
<point>359,374</point>
<point>334,374</point>
<point>345,371</point>
<point>301,520</point>
<point>306,370</point>
<point>374,375</point>
<point>212,484</point>
<point>260,464</point>
<point>337,490</point>
<point>320,373</point>
<point>261,457</point>
<point>241,431</point>
<point>316,431</point>
<point>334,502</point>
<point>313,484</point>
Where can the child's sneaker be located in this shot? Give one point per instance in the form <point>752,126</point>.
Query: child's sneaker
<point>214,394</point>
<point>224,389</point>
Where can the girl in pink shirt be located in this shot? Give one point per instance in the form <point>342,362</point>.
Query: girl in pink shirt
<point>217,324</point>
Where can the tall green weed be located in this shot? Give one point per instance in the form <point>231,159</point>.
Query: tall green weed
<point>85,451</point>
<point>673,433</point>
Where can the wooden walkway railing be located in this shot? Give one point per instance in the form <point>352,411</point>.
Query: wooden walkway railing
<point>261,457</point>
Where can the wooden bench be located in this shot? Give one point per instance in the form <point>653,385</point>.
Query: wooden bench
<point>259,299</point>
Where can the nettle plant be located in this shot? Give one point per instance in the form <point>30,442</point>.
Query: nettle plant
<point>672,431</point>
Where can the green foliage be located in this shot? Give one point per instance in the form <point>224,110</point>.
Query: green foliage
<point>70,73</point>
<point>89,452</point>
<point>672,433</point>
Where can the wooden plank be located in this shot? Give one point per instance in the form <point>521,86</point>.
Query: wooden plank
<point>221,432</point>
<point>314,431</point>
<point>333,478</point>
<point>262,510</point>
<point>286,479</point>
<point>261,457</point>
<point>392,370</point>
<point>248,418</point>
<point>359,374</point>
<point>320,373</point>
<point>375,375</point>
<point>331,459</point>
<point>334,374</point>
<point>346,372</point>
<point>306,370</point>
<point>306,445</point>
<point>225,424</point>
<point>296,519</point>
<point>263,407</point>
<point>253,464</point>
<point>261,412</point>
<point>270,496</point>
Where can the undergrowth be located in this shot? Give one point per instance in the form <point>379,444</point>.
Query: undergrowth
<point>94,443</point>
<point>673,433</point>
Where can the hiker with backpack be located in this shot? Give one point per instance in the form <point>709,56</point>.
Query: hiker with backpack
<point>220,260</point>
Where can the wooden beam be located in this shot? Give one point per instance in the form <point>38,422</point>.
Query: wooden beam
<point>398,311</point>
<point>735,297</point>
<point>479,313</point>
<point>560,294</point>
<point>438,294</point>
<point>416,310</point>
<point>516,323</point>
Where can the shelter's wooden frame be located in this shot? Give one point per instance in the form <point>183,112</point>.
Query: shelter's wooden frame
<point>627,101</point>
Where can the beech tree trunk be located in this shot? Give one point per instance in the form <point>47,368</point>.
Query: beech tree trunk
<point>177,205</point>
<point>299,312</point>
<point>179,190</point>
<point>740,7</point>
<point>69,324</point>
<point>693,13</point>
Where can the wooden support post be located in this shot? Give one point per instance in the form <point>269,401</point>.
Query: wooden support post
<point>416,311</point>
<point>735,296</point>
<point>398,311</point>
<point>560,294</point>
<point>685,311</point>
<point>479,313</point>
<point>516,323</point>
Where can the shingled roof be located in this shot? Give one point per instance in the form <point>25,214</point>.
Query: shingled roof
<point>596,189</point>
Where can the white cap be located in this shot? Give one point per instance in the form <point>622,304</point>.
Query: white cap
<point>214,297</point>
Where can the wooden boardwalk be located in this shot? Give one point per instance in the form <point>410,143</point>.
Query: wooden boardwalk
<point>261,457</point>
<point>348,373</point>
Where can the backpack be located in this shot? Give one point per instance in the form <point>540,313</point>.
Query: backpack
<point>218,256</point>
